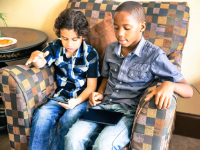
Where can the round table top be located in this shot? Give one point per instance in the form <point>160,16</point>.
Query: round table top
<point>27,40</point>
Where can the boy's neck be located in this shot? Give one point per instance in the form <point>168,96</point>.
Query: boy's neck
<point>126,50</point>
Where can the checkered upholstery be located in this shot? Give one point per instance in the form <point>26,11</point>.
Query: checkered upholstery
<point>23,88</point>
<point>152,127</point>
<point>167,27</point>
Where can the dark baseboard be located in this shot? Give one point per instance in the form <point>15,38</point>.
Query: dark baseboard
<point>187,125</point>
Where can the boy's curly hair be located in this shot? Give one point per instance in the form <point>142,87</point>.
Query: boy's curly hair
<point>72,19</point>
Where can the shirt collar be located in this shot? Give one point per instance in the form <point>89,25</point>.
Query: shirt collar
<point>136,51</point>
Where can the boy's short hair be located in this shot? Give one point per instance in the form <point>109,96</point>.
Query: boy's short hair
<point>134,8</point>
<point>72,19</point>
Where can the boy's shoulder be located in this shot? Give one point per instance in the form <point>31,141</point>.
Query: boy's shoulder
<point>56,42</point>
<point>88,48</point>
<point>151,49</point>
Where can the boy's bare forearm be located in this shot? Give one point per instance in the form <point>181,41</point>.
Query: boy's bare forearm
<point>183,89</point>
<point>103,86</point>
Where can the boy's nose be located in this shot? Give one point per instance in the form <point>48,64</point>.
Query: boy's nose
<point>69,43</point>
<point>121,33</point>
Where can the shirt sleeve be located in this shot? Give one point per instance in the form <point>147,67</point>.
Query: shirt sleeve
<point>105,66</point>
<point>49,58</point>
<point>165,70</point>
<point>93,60</point>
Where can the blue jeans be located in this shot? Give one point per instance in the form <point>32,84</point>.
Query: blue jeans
<point>43,134</point>
<point>84,134</point>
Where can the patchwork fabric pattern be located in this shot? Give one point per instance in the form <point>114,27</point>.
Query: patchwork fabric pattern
<point>152,127</point>
<point>167,22</point>
<point>23,89</point>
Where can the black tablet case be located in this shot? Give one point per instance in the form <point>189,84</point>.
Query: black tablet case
<point>102,116</point>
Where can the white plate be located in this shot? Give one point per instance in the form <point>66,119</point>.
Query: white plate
<point>7,38</point>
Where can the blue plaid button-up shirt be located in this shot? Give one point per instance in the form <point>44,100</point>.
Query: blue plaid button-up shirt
<point>72,73</point>
<point>129,76</point>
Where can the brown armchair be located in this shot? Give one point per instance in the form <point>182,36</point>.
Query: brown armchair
<point>24,88</point>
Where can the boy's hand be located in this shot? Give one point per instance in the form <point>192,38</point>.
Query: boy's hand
<point>163,95</point>
<point>36,55</point>
<point>71,104</point>
<point>95,98</point>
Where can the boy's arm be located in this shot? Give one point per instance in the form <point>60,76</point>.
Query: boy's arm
<point>37,59</point>
<point>96,97</point>
<point>91,87</point>
<point>164,92</point>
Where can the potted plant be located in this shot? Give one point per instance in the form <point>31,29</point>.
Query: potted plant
<point>2,16</point>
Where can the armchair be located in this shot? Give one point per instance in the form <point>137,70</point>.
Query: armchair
<point>23,88</point>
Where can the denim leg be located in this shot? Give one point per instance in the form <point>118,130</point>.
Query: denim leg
<point>117,136</point>
<point>44,125</point>
<point>82,134</point>
<point>66,121</point>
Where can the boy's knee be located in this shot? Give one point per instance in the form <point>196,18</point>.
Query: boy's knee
<point>72,138</point>
<point>102,145</point>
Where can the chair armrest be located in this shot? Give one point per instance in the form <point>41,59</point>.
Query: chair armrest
<point>23,89</point>
<point>152,127</point>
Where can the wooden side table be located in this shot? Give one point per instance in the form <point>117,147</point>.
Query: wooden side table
<point>28,40</point>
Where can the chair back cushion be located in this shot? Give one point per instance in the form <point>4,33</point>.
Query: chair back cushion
<point>167,22</point>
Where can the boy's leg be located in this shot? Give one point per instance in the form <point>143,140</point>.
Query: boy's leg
<point>117,136</point>
<point>44,125</point>
<point>82,134</point>
<point>66,121</point>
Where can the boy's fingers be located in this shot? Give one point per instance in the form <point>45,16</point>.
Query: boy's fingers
<point>27,62</point>
<point>169,102</point>
<point>157,98</point>
<point>41,55</point>
<point>149,96</point>
<point>46,53</point>
<point>165,103</point>
<point>35,59</point>
<point>98,102</point>
<point>161,101</point>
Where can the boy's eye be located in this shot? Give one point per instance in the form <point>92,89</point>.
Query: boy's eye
<point>127,28</point>
<point>75,39</point>
<point>116,28</point>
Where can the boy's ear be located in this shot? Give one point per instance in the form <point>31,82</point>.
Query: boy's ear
<point>143,26</point>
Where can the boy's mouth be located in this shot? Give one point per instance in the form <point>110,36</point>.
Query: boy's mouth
<point>70,49</point>
<point>122,41</point>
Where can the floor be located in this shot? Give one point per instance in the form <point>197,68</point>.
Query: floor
<point>177,143</point>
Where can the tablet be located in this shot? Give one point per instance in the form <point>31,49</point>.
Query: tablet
<point>101,116</point>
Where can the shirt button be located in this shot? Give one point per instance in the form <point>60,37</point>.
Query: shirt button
<point>120,82</point>
<point>126,60</point>
<point>110,99</point>
<point>121,73</point>
<point>131,74</point>
<point>115,69</point>
<point>117,90</point>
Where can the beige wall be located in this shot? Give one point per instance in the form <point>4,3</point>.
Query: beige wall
<point>40,14</point>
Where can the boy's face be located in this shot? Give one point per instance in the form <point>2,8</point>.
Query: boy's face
<point>70,40</point>
<point>128,30</point>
